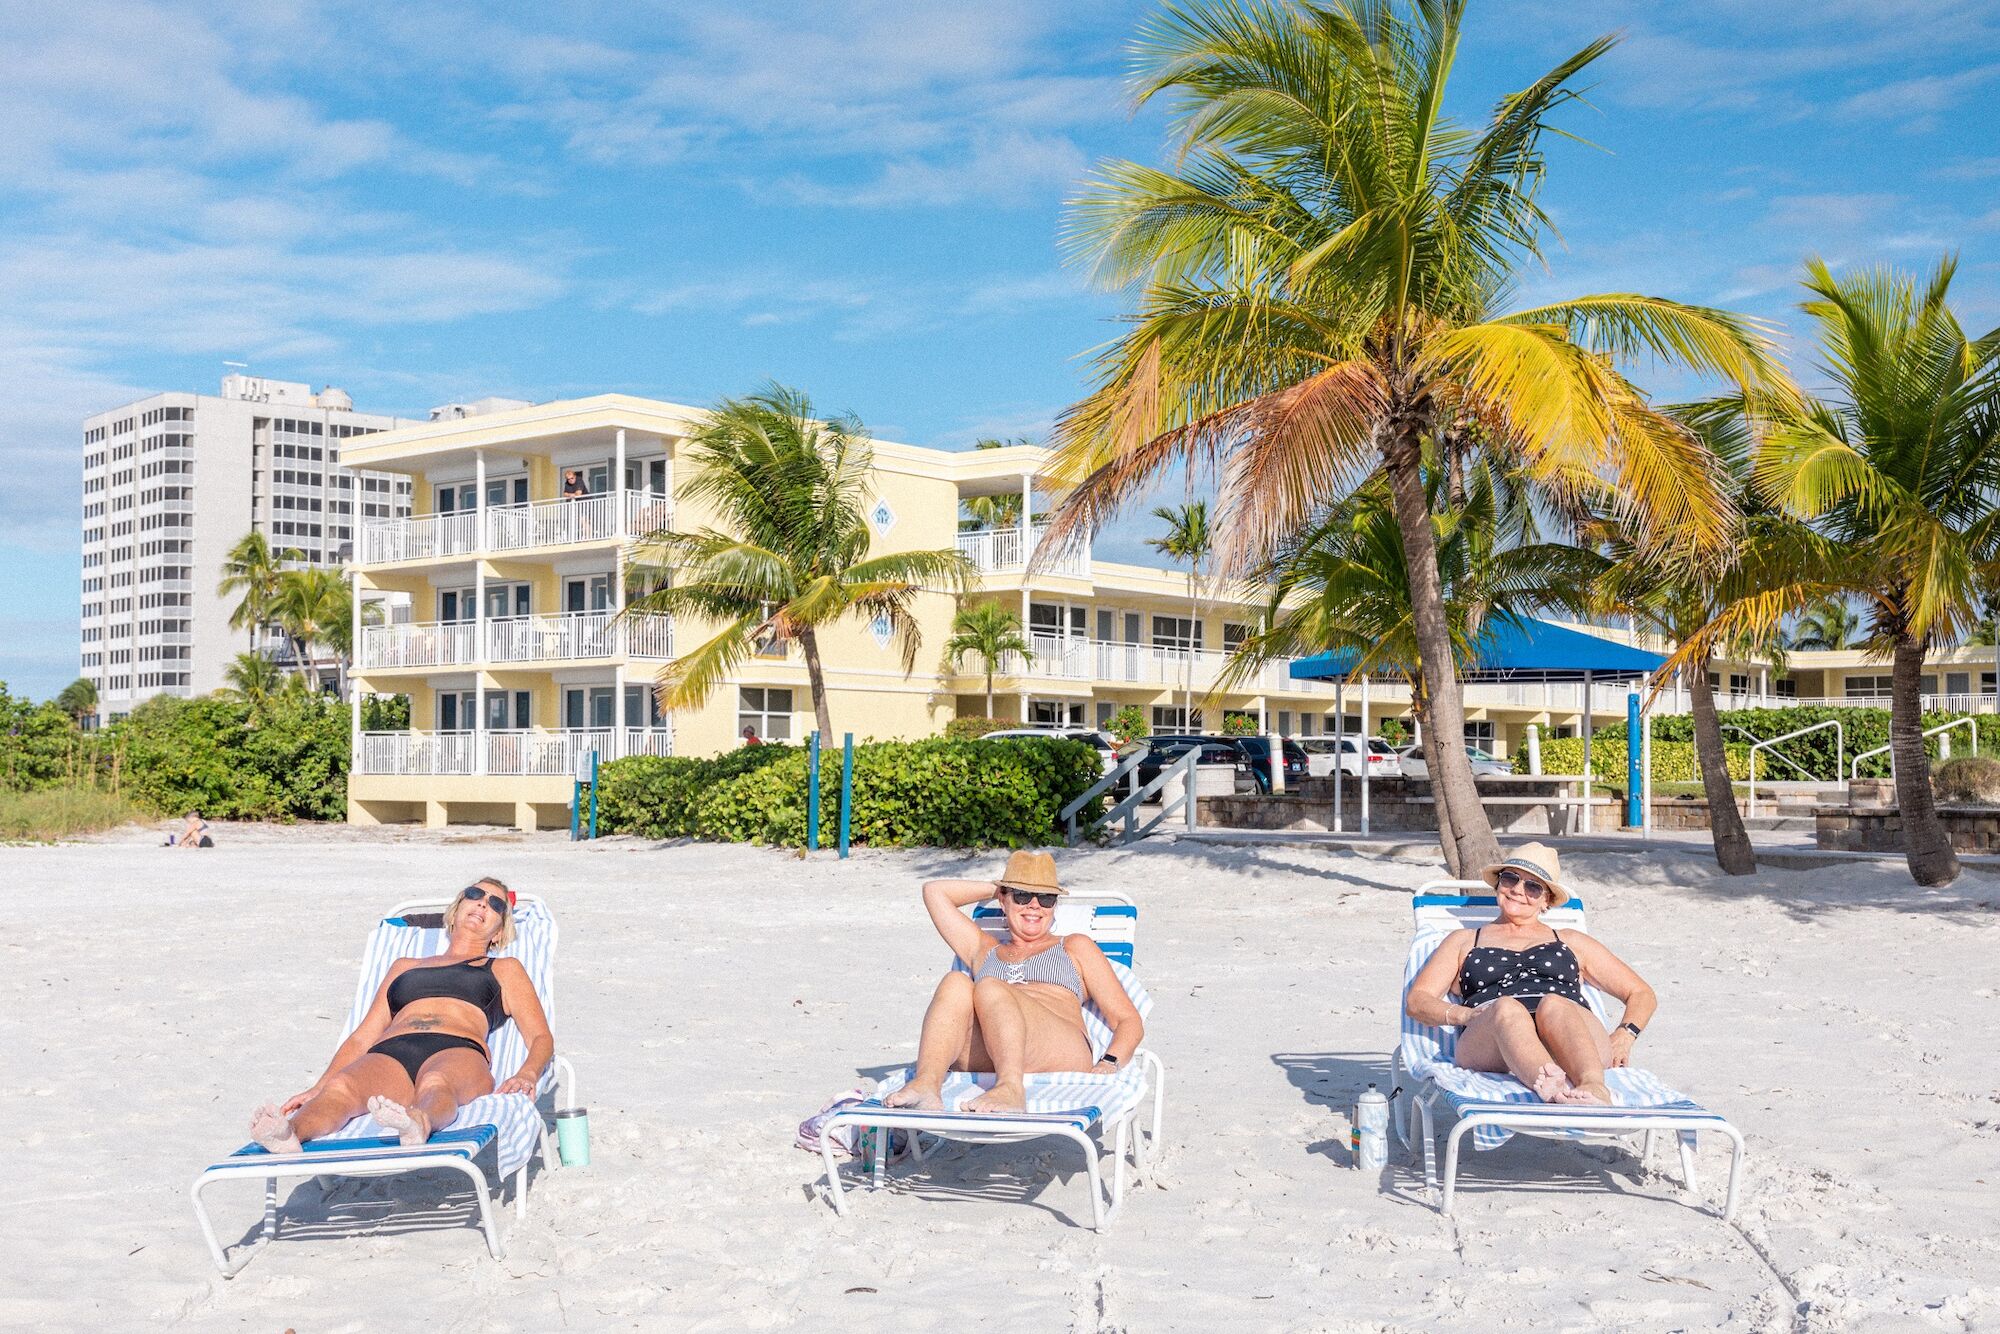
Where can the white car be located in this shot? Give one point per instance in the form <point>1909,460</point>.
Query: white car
<point>1103,742</point>
<point>1483,764</point>
<point>1322,752</point>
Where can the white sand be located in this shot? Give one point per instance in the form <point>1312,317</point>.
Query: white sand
<point>711,997</point>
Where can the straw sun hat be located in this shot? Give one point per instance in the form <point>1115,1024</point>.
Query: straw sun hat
<point>1034,871</point>
<point>1536,859</point>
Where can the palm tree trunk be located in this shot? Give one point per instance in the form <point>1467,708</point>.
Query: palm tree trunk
<point>1420,710</point>
<point>1733,852</point>
<point>1451,777</point>
<point>816,674</point>
<point>1927,847</point>
<point>989,690</point>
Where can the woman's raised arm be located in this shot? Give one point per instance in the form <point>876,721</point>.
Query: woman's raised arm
<point>943,900</point>
<point>524,1007</point>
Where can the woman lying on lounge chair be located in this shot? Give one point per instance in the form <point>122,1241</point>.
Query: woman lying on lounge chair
<point>1020,1012</point>
<point>420,1052</point>
<point>1521,983</point>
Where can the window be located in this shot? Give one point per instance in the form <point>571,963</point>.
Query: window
<point>1986,683</point>
<point>1054,713</point>
<point>1788,687</point>
<point>588,707</point>
<point>1867,687</point>
<point>767,711</point>
<point>1284,715</point>
<point>1480,734</point>
<point>1169,719</point>
<point>642,708</point>
<point>1051,618</point>
<point>1958,683</point>
<point>1176,632</point>
<point>1233,635</point>
<point>1105,708</point>
<point>1739,683</point>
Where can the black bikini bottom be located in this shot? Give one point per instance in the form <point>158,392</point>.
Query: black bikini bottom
<point>411,1050</point>
<point>1528,1003</point>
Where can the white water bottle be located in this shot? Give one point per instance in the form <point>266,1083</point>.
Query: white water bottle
<point>1371,1130</point>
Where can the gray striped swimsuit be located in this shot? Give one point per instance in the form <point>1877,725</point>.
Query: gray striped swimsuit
<point>1051,965</point>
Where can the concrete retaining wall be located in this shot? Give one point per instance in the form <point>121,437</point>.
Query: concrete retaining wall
<point>1845,829</point>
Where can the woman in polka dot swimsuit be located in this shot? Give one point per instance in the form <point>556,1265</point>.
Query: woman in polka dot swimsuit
<point>1520,994</point>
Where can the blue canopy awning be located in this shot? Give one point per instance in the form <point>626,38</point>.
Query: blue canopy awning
<point>1525,650</point>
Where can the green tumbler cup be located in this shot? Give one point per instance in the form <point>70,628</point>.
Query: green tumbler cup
<point>573,1136</point>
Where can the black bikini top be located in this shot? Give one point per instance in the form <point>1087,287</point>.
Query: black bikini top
<point>1490,972</point>
<point>472,982</point>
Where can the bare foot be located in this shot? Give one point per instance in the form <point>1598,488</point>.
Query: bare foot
<point>917,1097</point>
<point>273,1129</point>
<point>1551,1084</point>
<point>1000,1098</point>
<point>1587,1095</point>
<point>412,1127</point>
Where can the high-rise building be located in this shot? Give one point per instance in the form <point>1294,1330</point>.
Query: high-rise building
<point>172,482</point>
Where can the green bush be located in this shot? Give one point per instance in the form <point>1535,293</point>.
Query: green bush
<point>60,812</point>
<point>968,729</point>
<point>1971,780</point>
<point>1239,724</point>
<point>40,746</point>
<point>942,793</point>
<point>282,759</point>
<point>1865,729</point>
<point>1673,761</point>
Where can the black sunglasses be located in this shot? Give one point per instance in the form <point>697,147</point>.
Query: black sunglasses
<point>474,893</point>
<point>1535,887</point>
<point>1022,898</point>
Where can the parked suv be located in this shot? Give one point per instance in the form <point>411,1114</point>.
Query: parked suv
<point>1257,749</point>
<point>1250,754</point>
<point>1325,753</point>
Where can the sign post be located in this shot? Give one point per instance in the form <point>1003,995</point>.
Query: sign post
<point>812,793</point>
<point>1634,781</point>
<point>846,788</point>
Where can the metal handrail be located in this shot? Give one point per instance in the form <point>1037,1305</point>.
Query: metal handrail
<point>1756,740</point>
<point>1099,788</point>
<point>1839,754</point>
<point>1930,731</point>
<point>1128,809</point>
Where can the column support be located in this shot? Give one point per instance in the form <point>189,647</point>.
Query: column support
<point>479,499</point>
<point>1366,735</point>
<point>618,491</point>
<point>353,670</point>
<point>479,655</point>
<point>1589,727</point>
<point>1339,749</point>
<point>1027,522</point>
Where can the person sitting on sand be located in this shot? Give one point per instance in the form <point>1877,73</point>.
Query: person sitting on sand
<point>1523,1011</point>
<point>1020,1010</point>
<point>194,833</point>
<point>420,1052</point>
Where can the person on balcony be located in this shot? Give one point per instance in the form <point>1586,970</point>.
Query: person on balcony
<point>574,487</point>
<point>1520,989</point>
<point>1017,1010</point>
<point>420,1052</point>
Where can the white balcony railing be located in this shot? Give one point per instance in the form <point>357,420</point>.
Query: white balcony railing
<point>551,523</point>
<point>647,512</point>
<point>421,753</point>
<point>523,752</point>
<point>427,538</point>
<point>1002,550</point>
<point>415,644</point>
<point>573,636</point>
<point>579,634</point>
<point>1057,657</point>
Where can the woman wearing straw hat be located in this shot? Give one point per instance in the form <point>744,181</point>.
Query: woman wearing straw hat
<point>1519,982</point>
<point>1019,1009</point>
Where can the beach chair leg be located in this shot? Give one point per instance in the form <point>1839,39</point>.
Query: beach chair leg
<point>879,1168</point>
<point>1099,1215</point>
<point>1646,1152</point>
<point>1737,1151</point>
<point>222,1262</point>
<point>1156,1073</point>
<point>832,1172</point>
<point>1428,1133</point>
<point>270,1207</point>
<point>476,1178</point>
<point>917,1146</point>
<point>1686,1142</point>
<point>1452,1142</point>
<point>1119,1143</point>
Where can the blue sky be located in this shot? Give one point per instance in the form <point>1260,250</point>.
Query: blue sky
<point>422,204</point>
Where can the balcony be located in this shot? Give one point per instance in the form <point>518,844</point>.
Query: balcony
<point>518,753</point>
<point>1088,660</point>
<point>570,637</point>
<point>1005,551</point>
<point>541,523</point>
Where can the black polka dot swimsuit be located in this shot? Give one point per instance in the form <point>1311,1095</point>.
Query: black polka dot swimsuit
<point>1547,969</point>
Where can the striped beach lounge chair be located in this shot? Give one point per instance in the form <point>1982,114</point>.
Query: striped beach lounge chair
<point>1080,1108</point>
<point>1492,1108</point>
<point>508,1129</point>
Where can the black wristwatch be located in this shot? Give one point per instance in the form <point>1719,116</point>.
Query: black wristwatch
<point>1108,1057</point>
<point>1631,1028</point>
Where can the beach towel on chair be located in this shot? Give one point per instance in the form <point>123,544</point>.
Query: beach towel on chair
<point>1428,1055</point>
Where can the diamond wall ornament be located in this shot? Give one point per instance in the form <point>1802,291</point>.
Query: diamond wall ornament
<point>882,518</point>
<point>882,631</point>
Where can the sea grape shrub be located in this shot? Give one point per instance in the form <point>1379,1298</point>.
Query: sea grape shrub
<point>970,729</point>
<point>1970,780</point>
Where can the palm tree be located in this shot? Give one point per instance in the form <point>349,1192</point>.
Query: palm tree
<point>1899,471</point>
<point>1343,587</point>
<point>792,490</point>
<point>1188,540</point>
<point>254,676</point>
<point>990,631</point>
<point>1676,596</point>
<point>78,699</point>
<point>312,607</point>
<point>1829,623</point>
<point>1319,277</point>
<point>253,569</point>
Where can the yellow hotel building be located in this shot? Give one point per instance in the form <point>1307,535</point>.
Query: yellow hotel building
<point>516,662</point>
